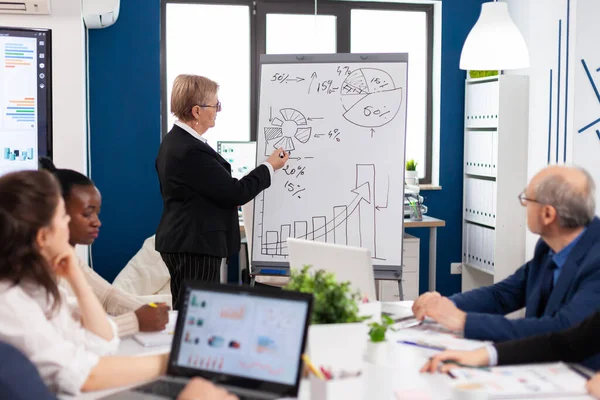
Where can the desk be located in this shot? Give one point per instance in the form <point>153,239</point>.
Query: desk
<point>410,383</point>
<point>432,224</point>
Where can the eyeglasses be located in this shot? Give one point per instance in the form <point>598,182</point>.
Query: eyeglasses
<point>524,199</point>
<point>217,106</point>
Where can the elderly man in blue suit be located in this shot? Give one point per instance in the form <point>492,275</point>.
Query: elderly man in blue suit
<point>559,286</point>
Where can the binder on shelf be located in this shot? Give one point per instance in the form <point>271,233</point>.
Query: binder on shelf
<point>480,247</point>
<point>480,157</point>
<point>482,113</point>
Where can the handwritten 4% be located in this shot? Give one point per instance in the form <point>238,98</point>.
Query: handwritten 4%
<point>333,135</point>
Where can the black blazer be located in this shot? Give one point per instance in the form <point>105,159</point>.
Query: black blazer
<point>575,344</point>
<point>200,198</point>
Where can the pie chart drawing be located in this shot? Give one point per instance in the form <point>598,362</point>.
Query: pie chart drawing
<point>291,127</point>
<point>370,98</point>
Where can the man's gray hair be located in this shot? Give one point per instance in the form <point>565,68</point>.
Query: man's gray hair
<point>575,208</point>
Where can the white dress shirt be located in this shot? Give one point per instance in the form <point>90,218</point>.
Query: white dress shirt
<point>63,351</point>
<point>195,134</point>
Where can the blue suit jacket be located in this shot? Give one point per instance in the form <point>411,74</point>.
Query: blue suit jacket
<point>575,296</point>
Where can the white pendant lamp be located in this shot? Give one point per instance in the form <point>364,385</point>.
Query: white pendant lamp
<point>495,42</point>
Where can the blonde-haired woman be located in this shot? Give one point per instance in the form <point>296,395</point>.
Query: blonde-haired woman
<point>199,225</point>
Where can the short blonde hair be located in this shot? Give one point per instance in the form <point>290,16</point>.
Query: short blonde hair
<point>189,91</point>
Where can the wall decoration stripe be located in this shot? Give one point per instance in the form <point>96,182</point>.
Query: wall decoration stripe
<point>567,80</point>
<point>550,117</point>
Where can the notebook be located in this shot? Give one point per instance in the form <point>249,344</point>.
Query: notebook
<point>162,338</point>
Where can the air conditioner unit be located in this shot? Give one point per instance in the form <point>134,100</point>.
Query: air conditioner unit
<point>37,7</point>
<point>98,14</point>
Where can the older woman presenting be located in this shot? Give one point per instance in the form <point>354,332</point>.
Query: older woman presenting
<point>199,225</point>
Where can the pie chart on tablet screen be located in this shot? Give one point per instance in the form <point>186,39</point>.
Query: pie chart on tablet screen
<point>370,98</point>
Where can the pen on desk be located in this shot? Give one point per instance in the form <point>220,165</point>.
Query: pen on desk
<point>153,305</point>
<point>423,345</point>
<point>312,367</point>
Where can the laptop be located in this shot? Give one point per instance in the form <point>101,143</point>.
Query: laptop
<point>352,264</point>
<point>247,340</point>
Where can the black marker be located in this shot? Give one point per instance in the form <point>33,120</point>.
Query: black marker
<point>282,154</point>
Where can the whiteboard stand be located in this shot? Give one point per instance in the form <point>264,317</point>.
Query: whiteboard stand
<point>342,118</point>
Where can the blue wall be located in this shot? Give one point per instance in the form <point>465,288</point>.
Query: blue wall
<point>125,126</point>
<point>124,63</point>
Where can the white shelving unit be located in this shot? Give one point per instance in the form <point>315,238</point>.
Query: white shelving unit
<point>495,172</point>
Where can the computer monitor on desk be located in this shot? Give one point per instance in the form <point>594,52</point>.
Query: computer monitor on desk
<point>241,156</point>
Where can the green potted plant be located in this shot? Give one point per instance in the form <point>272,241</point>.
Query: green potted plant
<point>380,368</point>
<point>411,176</point>
<point>378,347</point>
<point>334,302</point>
<point>481,74</point>
<point>337,335</point>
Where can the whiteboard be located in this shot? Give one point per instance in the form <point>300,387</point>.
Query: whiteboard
<point>343,119</point>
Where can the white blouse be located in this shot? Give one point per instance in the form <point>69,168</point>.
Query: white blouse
<point>63,351</point>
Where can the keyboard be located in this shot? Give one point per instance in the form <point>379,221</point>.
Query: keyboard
<point>171,390</point>
<point>161,387</point>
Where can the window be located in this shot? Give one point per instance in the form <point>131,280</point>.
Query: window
<point>246,29</point>
<point>378,31</point>
<point>214,41</point>
<point>297,34</point>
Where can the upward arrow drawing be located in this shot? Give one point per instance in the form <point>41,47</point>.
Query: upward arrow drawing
<point>362,192</point>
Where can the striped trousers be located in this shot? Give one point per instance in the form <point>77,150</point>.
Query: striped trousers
<point>186,266</point>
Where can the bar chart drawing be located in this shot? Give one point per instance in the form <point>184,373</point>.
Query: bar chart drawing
<point>340,233</point>
<point>359,215</point>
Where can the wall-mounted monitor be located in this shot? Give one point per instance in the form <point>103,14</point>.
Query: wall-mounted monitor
<point>25,98</point>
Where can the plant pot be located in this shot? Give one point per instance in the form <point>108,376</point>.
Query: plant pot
<point>376,353</point>
<point>380,353</point>
<point>411,178</point>
<point>339,346</point>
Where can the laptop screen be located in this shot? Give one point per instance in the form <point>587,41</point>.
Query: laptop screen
<point>253,337</point>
